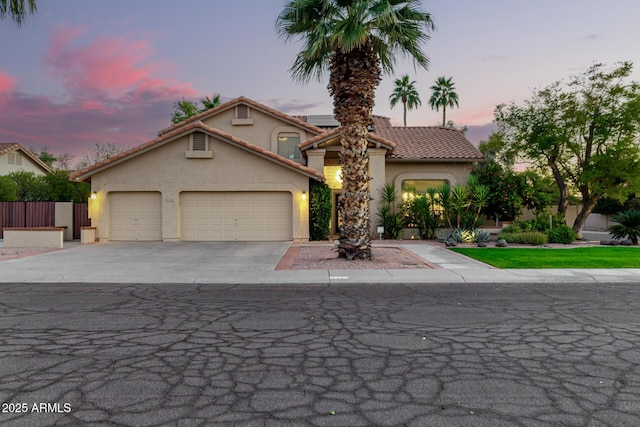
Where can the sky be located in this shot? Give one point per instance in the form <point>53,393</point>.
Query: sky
<point>80,73</point>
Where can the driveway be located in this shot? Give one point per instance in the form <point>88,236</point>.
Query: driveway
<point>148,262</point>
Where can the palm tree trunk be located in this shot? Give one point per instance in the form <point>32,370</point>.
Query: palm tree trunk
<point>404,104</point>
<point>352,83</point>
<point>444,114</point>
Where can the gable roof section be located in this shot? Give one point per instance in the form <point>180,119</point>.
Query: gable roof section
<point>295,121</point>
<point>83,174</point>
<point>331,135</point>
<point>8,147</point>
<point>429,143</point>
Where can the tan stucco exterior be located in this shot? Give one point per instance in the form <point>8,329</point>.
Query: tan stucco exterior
<point>26,164</point>
<point>167,170</point>
<point>239,155</point>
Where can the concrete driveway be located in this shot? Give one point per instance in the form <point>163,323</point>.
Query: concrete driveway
<point>148,262</point>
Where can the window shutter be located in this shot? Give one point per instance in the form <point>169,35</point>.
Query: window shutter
<point>242,111</point>
<point>199,141</point>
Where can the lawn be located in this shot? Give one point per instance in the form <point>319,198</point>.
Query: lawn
<point>585,257</point>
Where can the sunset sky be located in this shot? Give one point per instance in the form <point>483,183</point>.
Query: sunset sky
<point>84,72</point>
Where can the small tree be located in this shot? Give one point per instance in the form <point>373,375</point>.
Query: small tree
<point>629,226</point>
<point>99,153</point>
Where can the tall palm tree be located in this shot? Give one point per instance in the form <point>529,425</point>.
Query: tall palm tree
<point>444,95</point>
<point>17,9</point>
<point>406,92</point>
<point>355,40</point>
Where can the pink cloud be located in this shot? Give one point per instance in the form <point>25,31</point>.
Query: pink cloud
<point>112,65</point>
<point>116,91</point>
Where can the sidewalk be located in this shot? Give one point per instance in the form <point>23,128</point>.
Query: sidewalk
<point>237,263</point>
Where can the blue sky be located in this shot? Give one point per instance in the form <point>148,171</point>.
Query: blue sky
<point>84,72</point>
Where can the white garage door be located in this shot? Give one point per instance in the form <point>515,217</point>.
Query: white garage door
<point>136,216</point>
<point>229,216</point>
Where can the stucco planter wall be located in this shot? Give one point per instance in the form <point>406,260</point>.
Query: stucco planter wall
<point>37,237</point>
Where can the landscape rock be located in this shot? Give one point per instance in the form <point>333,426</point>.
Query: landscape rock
<point>501,243</point>
<point>482,244</point>
<point>450,242</point>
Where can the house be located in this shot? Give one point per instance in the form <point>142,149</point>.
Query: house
<point>15,158</point>
<point>241,171</point>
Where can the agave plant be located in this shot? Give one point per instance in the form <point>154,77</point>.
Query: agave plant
<point>628,226</point>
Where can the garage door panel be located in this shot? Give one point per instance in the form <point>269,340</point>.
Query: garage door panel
<point>136,216</point>
<point>245,216</point>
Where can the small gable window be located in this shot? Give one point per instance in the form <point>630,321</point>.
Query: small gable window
<point>199,147</point>
<point>15,158</point>
<point>199,141</point>
<point>288,146</point>
<point>242,116</point>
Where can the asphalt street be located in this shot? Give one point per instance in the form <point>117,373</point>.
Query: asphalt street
<point>320,355</point>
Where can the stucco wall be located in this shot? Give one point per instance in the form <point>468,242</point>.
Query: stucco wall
<point>263,132</point>
<point>165,169</point>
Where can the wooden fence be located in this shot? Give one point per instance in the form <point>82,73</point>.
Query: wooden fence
<point>40,214</point>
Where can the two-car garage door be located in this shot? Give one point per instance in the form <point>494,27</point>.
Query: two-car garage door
<point>243,216</point>
<point>205,216</point>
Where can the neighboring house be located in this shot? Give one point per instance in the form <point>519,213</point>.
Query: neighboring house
<point>14,158</point>
<point>241,171</point>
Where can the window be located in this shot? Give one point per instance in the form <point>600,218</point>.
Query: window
<point>15,158</point>
<point>288,146</point>
<point>242,112</point>
<point>199,141</point>
<point>420,186</point>
<point>242,116</point>
<point>199,147</point>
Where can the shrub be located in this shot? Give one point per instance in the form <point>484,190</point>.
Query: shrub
<point>561,234</point>
<point>319,210</point>
<point>528,237</point>
<point>629,226</point>
<point>513,228</point>
<point>392,222</point>
<point>453,234</point>
<point>467,236</point>
<point>482,236</point>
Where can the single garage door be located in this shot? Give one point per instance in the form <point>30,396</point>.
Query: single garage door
<point>136,216</point>
<point>229,216</point>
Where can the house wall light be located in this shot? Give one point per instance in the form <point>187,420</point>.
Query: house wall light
<point>304,195</point>
<point>94,195</point>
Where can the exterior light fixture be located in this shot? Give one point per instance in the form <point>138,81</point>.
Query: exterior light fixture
<point>304,195</point>
<point>94,195</point>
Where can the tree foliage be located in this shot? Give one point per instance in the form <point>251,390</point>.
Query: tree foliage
<point>405,92</point>
<point>184,109</point>
<point>443,95</point>
<point>18,10</point>
<point>585,133</point>
<point>98,153</point>
<point>320,210</point>
<point>54,187</point>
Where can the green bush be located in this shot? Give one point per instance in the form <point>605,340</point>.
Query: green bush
<point>525,237</point>
<point>392,222</point>
<point>319,210</point>
<point>513,228</point>
<point>629,226</point>
<point>561,234</point>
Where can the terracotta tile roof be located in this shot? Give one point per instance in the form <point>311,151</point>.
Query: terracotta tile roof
<point>185,129</point>
<point>429,143</point>
<point>415,143</point>
<point>295,120</point>
<point>390,145</point>
<point>7,147</point>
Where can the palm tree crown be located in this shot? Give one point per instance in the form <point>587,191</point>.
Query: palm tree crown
<point>355,40</point>
<point>329,26</point>
<point>17,9</point>
<point>405,91</point>
<point>444,95</point>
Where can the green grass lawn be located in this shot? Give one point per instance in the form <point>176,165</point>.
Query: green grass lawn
<point>586,257</point>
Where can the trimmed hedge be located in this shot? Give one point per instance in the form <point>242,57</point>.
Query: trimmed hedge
<point>319,210</point>
<point>562,234</point>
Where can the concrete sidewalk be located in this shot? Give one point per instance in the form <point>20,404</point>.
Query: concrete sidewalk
<point>231,263</point>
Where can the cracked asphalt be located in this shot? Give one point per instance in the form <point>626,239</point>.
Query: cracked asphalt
<point>320,355</point>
